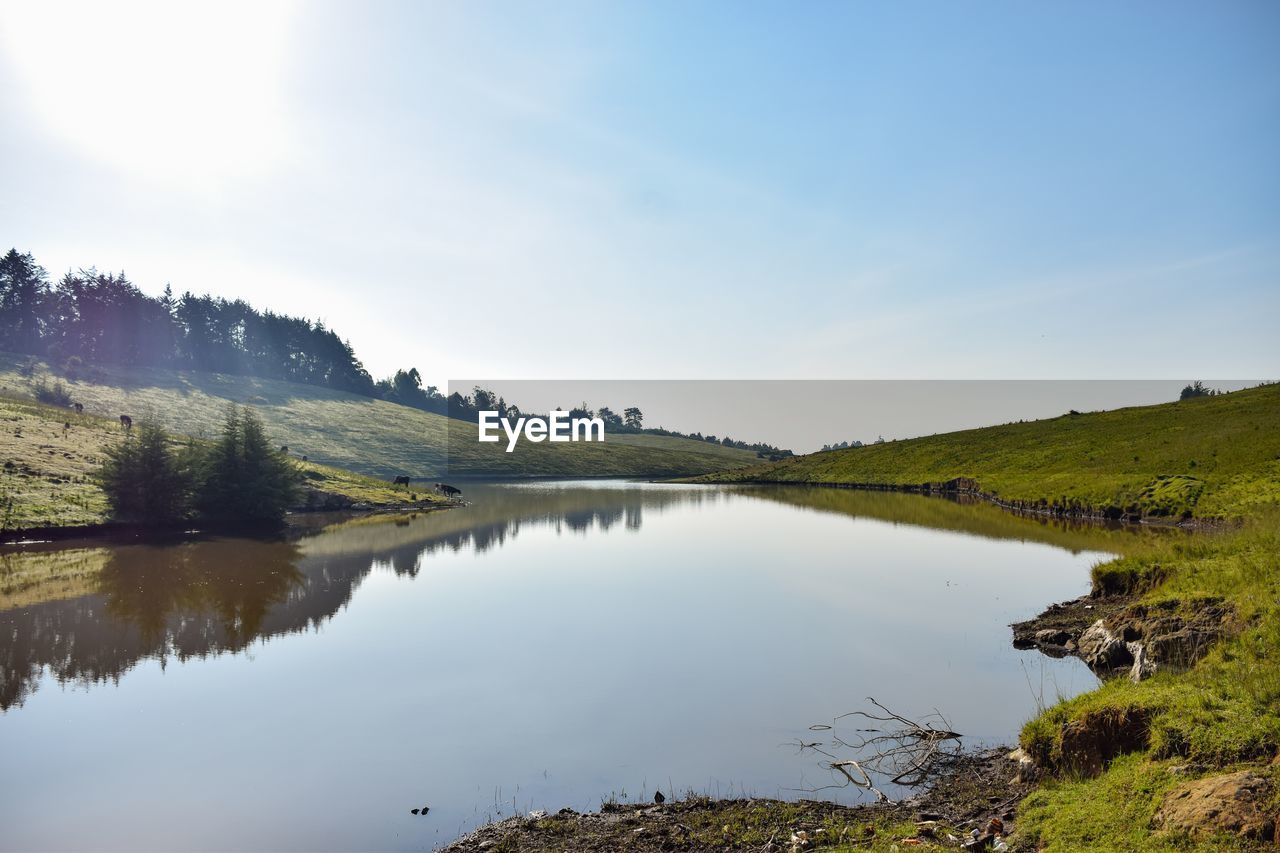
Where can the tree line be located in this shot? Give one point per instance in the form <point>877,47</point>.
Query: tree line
<point>628,420</point>
<point>103,318</point>
<point>91,318</point>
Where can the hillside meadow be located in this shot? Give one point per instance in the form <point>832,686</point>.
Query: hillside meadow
<point>1212,457</point>
<point>369,436</point>
<point>51,456</point>
<point>1207,457</point>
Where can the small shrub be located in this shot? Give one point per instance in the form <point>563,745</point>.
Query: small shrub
<point>55,394</point>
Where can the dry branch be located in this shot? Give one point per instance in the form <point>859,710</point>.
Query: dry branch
<point>899,750</point>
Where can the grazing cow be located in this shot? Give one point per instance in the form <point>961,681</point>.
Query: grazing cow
<point>79,407</point>
<point>126,422</point>
<point>447,490</point>
<point>400,481</point>
<point>284,448</point>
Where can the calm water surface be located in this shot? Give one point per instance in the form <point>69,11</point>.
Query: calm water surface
<point>549,645</point>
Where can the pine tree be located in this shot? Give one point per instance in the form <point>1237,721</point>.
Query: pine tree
<point>144,479</point>
<point>243,479</point>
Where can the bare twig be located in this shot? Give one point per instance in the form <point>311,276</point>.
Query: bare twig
<point>901,750</point>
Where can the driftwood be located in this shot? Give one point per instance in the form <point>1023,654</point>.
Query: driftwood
<point>898,750</point>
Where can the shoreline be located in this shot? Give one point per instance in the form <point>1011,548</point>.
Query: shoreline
<point>118,533</point>
<point>978,792</point>
<point>964,487</point>
<point>995,780</point>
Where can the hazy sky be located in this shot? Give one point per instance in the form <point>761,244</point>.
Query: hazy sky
<point>803,416</point>
<point>670,189</point>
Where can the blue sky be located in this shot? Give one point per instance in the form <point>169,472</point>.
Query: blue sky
<point>650,190</point>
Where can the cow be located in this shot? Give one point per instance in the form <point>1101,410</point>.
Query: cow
<point>401,481</point>
<point>284,448</point>
<point>447,490</point>
<point>79,407</point>
<point>126,422</point>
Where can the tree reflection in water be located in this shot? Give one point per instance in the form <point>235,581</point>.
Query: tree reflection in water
<point>212,596</point>
<point>207,597</point>
<point>230,585</point>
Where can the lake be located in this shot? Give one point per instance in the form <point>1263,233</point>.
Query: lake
<point>552,644</point>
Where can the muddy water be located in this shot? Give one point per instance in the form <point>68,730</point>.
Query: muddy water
<point>549,645</point>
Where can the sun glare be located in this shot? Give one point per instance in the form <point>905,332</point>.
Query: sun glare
<point>183,93</point>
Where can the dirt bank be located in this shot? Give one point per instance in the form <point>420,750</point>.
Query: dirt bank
<point>1118,635</point>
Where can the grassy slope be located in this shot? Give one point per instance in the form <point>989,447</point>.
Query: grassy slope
<point>50,455</point>
<point>370,436</point>
<point>1211,457</point>
<point>1221,715</point>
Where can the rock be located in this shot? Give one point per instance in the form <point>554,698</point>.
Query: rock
<point>658,798</point>
<point>1235,803</point>
<point>413,811</point>
<point>1175,633</point>
<point>1053,637</point>
<point>1186,769</point>
<point>1101,649</point>
<point>537,814</point>
<point>1143,666</point>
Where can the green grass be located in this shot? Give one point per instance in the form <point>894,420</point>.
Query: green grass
<point>703,823</point>
<point>1210,457</point>
<point>48,457</point>
<point>51,456</point>
<point>373,437</point>
<point>1221,714</point>
<point>1112,813</point>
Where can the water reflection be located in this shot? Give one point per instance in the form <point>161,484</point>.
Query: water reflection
<point>549,644</point>
<point>207,597</point>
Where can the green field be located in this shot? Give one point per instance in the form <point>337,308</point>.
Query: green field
<point>1210,457</point>
<point>372,437</point>
<point>1221,715</point>
<point>51,455</point>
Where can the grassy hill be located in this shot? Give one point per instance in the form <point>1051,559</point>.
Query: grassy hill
<point>1182,727</point>
<point>50,456</point>
<point>1209,457</point>
<point>372,437</point>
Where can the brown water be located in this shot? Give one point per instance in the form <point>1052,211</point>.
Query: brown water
<point>549,645</point>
